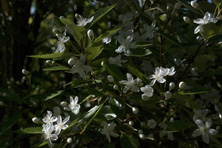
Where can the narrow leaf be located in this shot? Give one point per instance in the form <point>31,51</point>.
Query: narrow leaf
<point>31,130</point>
<point>56,68</point>
<point>176,126</point>
<point>53,95</point>
<point>100,13</point>
<point>127,142</point>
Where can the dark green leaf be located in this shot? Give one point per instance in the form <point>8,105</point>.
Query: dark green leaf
<point>76,31</point>
<point>56,68</point>
<point>53,95</point>
<point>127,142</point>
<point>176,126</point>
<point>193,91</point>
<point>31,130</point>
<point>100,13</point>
<point>114,71</point>
<point>48,56</point>
<point>93,51</point>
<point>140,52</point>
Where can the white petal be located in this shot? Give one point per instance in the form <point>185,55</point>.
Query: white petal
<point>205,138</point>
<point>197,29</point>
<point>161,80</point>
<point>212,132</point>
<point>196,133</point>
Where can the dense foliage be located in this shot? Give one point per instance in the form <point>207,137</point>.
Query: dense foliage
<point>111,73</point>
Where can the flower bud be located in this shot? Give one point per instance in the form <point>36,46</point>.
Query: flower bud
<point>182,85</point>
<point>135,110</point>
<point>152,123</point>
<point>115,87</point>
<point>24,71</point>
<point>142,136</point>
<point>102,63</point>
<point>194,4</point>
<point>131,123</point>
<point>71,61</point>
<point>171,85</point>
<point>64,103</point>
<point>69,140</point>
<point>110,78</point>
<point>56,110</point>
<point>90,34</point>
<point>186,19</point>
<point>177,6</point>
<point>168,95</point>
<point>48,62</point>
<point>36,120</point>
<point>4,94</point>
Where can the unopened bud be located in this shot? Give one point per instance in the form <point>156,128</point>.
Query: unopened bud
<point>115,87</point>
<point>177,6</point>
<point>69,140</point>
<point>36,120</point>
<point>182,85</point>
<point>131,123</point>
<point>48,62</point>
<point>102,63</point>
<point>142,136</point>
<point>71,61</point>
<point>110,78</point>
<point>194,4</point>
<point>24,71</point>
<point>64,103</point>
<point>171,85</point>
<point>90,34</point>
<point>135,110</point>
<point>186,19</point>
<point>168,95</point>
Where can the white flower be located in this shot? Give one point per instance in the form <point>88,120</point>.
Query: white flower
<point>148,92</point>
<point>152,123</point>
<point>48,129</point>
<point>73,106</point>
<point>130,84</point>
<point>200,115</point>
<point>108,130</point>
<point>208,18</point>
<point>158,75</point>
<point>171,71</point>
<point>61,125</point>
<point>163,133</point>
<point>60,43</point>
<point>149,31</point>
<point>48,119</point>
<point>125,45</point>
<point>81,21</point>
<point>117,60</point>
<point>80,68</point>
<point>107,40</point>
<point>204,130</point>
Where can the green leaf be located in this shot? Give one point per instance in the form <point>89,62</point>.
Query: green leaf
<point>209,30</point>
<point>114,71</point>
<point>137,73</point>
<point>140,52</point>
<point>48,56</point>
<point>170,38</point>
<point>53,95</point>
<point>56,68</point>
<point>202,62</point>
<point>95,114</point>
<point>93,51</point>
<point>176,126</point>
<point>193,91</point>
<point>31,130</point>
<point>100,13</point>
<point>76,31</point>
<point>107,34</point>
<point>127,142</point>
<point>187,5</point>
<point>7,124</point>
